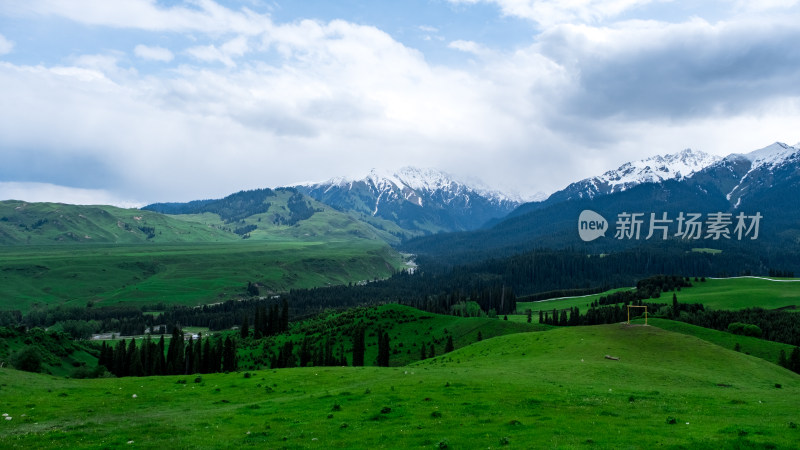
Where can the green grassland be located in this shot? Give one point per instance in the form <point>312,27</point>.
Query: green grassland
<point>185,274</point>
<point>582,302</point>
<point>714,293</point>
<point>528,390</point>
<point>741,293</point>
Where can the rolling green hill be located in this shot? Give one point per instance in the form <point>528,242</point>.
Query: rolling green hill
<point>529,390</point>
<point>745,292</point>
<point>279,214</point>
<point>714,293</point>
<point>761,348</point>
<point>56,223</point>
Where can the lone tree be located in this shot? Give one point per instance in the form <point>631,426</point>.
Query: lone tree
<point>449,346</point>
<point>245,331</point>
<point>383,348</point>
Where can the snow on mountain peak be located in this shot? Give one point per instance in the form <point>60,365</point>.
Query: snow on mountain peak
<point>657,168</point>
<point>771,155</point>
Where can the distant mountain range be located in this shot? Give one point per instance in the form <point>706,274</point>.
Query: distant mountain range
<point>764,182</point>
<point>427,211</point>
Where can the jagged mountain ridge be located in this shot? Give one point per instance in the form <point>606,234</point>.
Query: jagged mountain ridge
<point>651,170</point>
<point>420,201</point>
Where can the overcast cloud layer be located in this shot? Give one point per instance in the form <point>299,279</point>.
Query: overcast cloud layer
<point>138,101</point>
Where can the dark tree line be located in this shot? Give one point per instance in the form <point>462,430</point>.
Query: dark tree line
<point>775,325</point>
<point>179,358</point>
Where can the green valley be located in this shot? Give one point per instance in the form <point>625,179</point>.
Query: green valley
<point>181,274</point>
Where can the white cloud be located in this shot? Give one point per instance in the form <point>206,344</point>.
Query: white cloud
<point>469,47</point>
<point>234,48</point>
<point>5,45</point>
<point>312,100</point>
<point>204,16</point>
<point>155,53</point>
<point>45,192</point>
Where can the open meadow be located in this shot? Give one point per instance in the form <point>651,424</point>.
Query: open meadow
<point>531,390</point>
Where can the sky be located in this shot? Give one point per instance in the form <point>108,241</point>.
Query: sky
<point>130,102</point>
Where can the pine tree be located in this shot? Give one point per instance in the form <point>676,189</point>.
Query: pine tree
<point>189,357</point>
<point>161,361</point>
<point>432,353</point>
<point>794,360</point>
<point>675,307</point>
<point>229,362</point>
<point>103,359</point>
<point>449,346</point>
<point>782,360</point>
<point>530,316</point>
<point>198,354</point>
<point>208,358</point>
<point>383,348</point>
<point>284,317</point>
<point>120,360</point>
<point>305,352</point>
<point>422,353</point>
<point>480,336</point>
<point>541,316</point>
<point>245,330</point>
<point>135,360</point>
<point>175,358</point>
<point>358,346</point>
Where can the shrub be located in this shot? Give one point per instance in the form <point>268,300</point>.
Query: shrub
<point>28,359</point>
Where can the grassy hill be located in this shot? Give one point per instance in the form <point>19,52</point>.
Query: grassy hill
<point>745,292</point>
<point>185,274</point>
<point>761,348</point>
<point>56,223</point>
<point>529,390</point>
<point>279,214</point>
<point>409,330</point>
<point>714,293</point>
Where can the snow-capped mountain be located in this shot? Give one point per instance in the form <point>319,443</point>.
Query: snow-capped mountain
<point>416,200</point>
<point>763,183</point>
<point>766,168</point>
<point>651,170</point>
